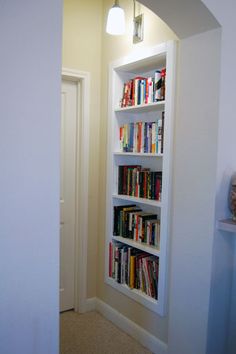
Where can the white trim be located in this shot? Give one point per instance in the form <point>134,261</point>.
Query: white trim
<point>91,304</point>
<point>82,168</point>
<point>145,338</point>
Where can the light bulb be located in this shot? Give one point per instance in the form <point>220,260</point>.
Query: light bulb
<point>116,20</point>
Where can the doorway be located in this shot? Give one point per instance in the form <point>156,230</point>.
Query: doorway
<point>69,108</point>
<point>74,189</point>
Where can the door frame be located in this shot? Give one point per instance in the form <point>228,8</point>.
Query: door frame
<point>81,184</point>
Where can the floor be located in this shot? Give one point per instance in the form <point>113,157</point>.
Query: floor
<point>90,333</point>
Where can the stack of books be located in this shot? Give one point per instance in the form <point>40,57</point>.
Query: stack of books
<point>135,181</point>
<point>134,268</point>
<point>129,221</point>
<point>142,137</point>
<point>144,90</point>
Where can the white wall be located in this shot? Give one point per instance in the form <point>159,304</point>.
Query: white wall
<point>222,316</point>
<point>221,248</point>
<point>224,243</point>
<point>185,17</point>
<point>30,37</point>
<point>195,163</point>
<point>81,45</point>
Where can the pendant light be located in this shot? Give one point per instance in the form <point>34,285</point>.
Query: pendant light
<point>116,20</point>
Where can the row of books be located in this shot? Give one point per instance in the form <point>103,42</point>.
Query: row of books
<point>129,221</point>
<point>143,137</point>
<point>135,181</point>
<point>134,268</point>
<point>144,90</point>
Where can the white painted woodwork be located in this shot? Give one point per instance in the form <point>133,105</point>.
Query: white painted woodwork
<point>149,341</point>
<point>143,64</point>
<point>82,80</point>
<point>142,107</point>
<point>228,225</point>
<point>147,154</point>
<point>67,194</point>
<point>141,246</point>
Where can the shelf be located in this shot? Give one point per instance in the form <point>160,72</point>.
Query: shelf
<point>227,225</point>
<point>137,154</point>
<point>145,201</point>
<point>147,107</point>
<point>141,246</point>
<point>120,72</point>
<point>136,295</point>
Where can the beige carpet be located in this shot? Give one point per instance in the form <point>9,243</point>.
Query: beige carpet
<point>90,333</point>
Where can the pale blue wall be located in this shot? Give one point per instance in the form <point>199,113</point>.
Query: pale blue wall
<point>30,67</point>
<point>193,203</point>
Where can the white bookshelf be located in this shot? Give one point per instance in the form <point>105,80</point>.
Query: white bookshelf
<point>144,201</point>
<point>143,64</point>
<point>143,247</point>
<point>228,225</point>
<point>142,107</point>
<point>139,154</point>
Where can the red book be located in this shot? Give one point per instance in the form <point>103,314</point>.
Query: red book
<point>158,189</point>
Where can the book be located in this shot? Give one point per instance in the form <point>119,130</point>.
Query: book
<point>116,217</point>
<point>110,259</point>
<point>143,90</point>
<point>132,271</point>
<point>135,268</point>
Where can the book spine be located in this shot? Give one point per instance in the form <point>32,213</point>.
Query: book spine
<point>144,90</point>
<point>162,132</point>
<point>120,179</point>
<point>159,135</point>
<point>135,268</point>
<point>157,86</point>
<point>110,259</point>
<point>153,138</point>
<point>132,271</point>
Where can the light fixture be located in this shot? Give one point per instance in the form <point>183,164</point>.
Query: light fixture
<point>116,20</point>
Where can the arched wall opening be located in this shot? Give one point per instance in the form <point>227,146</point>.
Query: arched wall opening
<point>30,227</point>
<point>195,24</point>
<point>196,114</point>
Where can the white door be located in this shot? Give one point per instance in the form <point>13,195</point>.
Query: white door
<point>67,202</point>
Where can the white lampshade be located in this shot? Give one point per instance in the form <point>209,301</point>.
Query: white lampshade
<point>116,20</point>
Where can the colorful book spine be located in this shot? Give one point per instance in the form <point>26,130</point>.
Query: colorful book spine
<point>143,90</point>
<point>157,86</point>
<point>142,137</point>
<point>137,182</point>
<point>129,221</point>
<point>137,269</point>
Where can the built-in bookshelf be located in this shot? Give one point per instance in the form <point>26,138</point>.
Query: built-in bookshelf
<point>139,172</point>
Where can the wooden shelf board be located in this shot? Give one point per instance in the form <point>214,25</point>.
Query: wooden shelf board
<point>136,295</point>
<point>140,154</point>
<point>227,225</point>
<point>143,107</point>
<point>145,201</point>
<point>141,246</point>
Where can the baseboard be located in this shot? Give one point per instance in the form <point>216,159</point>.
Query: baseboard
<point>91,304</point>
<point>145,338</point>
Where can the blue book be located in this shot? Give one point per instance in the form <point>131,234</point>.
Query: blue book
<point>131,137</point>
<point>145,137</point>
<point>156,137</point>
